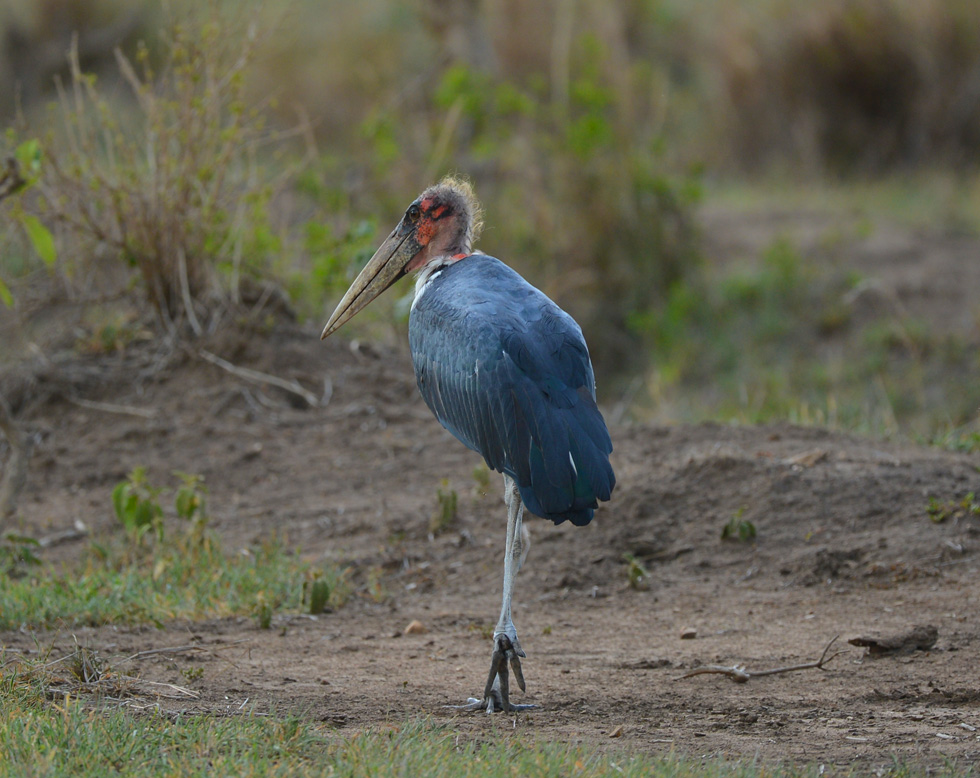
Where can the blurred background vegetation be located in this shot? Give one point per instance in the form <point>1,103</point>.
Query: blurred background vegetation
<point>700,183</point>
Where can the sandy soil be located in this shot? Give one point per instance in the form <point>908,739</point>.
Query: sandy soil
<point>844,546</point>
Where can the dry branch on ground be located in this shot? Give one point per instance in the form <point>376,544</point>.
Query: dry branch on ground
<point>739,674</point>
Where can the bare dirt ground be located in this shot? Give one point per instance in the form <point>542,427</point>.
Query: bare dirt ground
<point>844,546</point>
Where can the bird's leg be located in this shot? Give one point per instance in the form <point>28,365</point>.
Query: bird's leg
<point>506,647</point>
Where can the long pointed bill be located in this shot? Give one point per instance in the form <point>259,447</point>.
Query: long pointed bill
<point>382,270</point>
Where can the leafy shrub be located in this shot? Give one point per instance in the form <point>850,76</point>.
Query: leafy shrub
<point>173,189</point>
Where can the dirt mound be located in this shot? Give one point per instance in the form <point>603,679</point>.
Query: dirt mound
<point>843,545</point>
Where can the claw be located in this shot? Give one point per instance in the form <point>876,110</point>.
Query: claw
<point>515,664</point>
<point>496,694</point>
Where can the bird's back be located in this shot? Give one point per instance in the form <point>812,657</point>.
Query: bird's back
<point>508,373</point>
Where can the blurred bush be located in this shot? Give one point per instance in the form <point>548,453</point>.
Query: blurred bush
<point>36,35</point>
<point>560,125</point>
<point>566,150</point>
<point>582,125</point>
<point>853,85</point>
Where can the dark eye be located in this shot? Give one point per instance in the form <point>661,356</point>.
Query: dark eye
<point>413,213</point>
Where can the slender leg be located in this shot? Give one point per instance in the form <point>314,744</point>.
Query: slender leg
<point>514,555</point>
<point>506,647</point>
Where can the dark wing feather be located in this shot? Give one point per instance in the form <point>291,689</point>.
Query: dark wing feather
<point>507,372</point>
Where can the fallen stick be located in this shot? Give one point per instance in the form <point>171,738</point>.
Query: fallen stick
<point>261,378</point>
<point>76,532</point>
<point>739,674</point>
<point>182,649</point>
<point>125,410</point>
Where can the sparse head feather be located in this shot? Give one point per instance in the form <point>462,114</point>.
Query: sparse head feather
<point>458,194</point>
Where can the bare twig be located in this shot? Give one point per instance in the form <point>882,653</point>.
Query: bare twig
<point>126,410</point>
<point>179,691</point>
<point>181,650</point>
<point>739,674</point>
<point>15,475</point>
<point>261,378</point>
<point>76,532</point>
<point>185,290</point>
<point>11,181</point>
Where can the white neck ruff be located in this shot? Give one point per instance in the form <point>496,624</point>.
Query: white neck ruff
<point>429,272</point>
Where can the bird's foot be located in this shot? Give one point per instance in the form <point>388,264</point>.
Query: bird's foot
<point>496,695</point>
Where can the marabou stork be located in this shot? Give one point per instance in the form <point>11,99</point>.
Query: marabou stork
<point>503,369</point>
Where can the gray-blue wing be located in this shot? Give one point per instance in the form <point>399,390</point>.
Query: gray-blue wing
<point>508,373</point>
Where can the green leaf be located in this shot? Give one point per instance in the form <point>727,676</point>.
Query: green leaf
<point>28,156</point>
<point>5,296</point>
<point>118,495</point>
<point>41,239</point>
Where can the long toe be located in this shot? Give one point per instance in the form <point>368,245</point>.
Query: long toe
<point>506,658</point>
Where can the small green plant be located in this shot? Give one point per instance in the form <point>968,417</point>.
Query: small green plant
<point>192,673</point>
<point>263,611</point>
<point>941,511</point>
<point>316,592</point>
<point>17,553</point>
<point>137,506</point>
<point>636,574</point>
<point>481,476</point>
<point>110,333</point>
<point>190,504</point>
<point>967,442</point>
<point>738,528</point>
<point>445,513</point>
<point>376,588</point>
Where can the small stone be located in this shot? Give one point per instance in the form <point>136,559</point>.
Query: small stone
<point>689,633</point>
<point>416,627</point>
<point>618,732</point>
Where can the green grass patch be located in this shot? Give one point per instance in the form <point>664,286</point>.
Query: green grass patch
<point>157,572</point>
<point>107,588</point>
<point>70,736</point>
<point>43,733</point>
<point>793,337</point>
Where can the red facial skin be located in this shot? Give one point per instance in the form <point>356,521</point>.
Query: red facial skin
<point>437,221</point>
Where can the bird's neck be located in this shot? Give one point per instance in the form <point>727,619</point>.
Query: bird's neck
<point>431,269</point>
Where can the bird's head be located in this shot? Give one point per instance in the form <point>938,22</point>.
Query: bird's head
<point>442,223</point>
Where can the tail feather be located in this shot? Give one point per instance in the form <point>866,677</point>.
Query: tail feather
<point>569,482</point>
